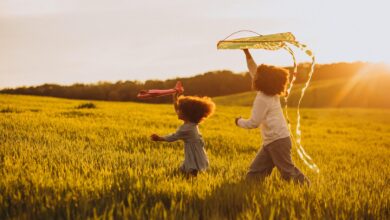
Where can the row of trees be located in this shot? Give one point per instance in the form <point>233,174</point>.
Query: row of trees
<point>209,84</point>
<point>217,83</point>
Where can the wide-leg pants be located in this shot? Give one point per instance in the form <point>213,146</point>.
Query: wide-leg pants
<point>276,154</point>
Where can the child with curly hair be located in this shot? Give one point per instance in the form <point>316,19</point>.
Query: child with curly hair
<point>270,83</point>
<point>191,110</point>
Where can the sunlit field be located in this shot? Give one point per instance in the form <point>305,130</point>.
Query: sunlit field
<point>60,159</point>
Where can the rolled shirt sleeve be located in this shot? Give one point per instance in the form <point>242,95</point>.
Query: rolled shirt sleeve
<point>259,111</point>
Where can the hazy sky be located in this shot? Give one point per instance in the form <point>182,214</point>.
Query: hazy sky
<point>72,41</point>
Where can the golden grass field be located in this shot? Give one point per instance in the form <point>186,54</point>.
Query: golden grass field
<point>61,162</point>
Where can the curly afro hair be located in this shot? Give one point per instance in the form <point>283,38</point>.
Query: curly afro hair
<point>271,80</point>
<point>195,109</point>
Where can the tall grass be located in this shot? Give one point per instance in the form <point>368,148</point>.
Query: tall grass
<point>65,163</point>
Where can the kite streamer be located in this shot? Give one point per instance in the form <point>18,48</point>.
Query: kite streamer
<point>276,42</point>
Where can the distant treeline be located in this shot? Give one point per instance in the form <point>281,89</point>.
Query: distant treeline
<point>212,84</point>
<point>216,83</point>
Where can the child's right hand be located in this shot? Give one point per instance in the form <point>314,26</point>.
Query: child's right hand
<point>247,54</point>
<point>236,120</point>
<point>179,88</point>
<point>155,137</point>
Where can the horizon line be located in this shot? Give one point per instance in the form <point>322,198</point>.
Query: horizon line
<point>172,78</point>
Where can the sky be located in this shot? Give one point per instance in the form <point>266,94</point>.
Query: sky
<point>69,41</point>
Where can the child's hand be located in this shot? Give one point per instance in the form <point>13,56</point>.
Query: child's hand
<point>155,137</point>
<point>236,120</point>
<point>179,88</point>
<point>246,51</point>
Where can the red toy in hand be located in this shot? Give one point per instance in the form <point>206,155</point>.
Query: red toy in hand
<point>144,94</point>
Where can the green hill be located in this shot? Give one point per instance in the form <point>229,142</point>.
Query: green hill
<point>361,85</point>
<point>362,92</point>
<point>220,83</point>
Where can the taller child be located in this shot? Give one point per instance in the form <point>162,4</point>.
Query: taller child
<point>270,83</point>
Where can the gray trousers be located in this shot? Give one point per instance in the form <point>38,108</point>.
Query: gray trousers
<point>276,154</point>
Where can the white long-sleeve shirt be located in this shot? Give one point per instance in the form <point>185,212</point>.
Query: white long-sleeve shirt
<point>266,113</point>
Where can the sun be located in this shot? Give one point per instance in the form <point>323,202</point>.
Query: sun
<point>371,78</point>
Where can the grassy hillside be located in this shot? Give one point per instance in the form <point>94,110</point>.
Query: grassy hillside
<point>58,160</point>
<point>335,93</point>
<point>342,85</point>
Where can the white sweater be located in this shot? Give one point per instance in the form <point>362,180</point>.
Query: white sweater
<point>267,113</point>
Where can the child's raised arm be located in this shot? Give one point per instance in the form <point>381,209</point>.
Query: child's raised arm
<point>252,66</point>
<point>179,91</point>
<point>174,98</point>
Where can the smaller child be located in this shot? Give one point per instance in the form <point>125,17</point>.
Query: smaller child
<point>191,110</point>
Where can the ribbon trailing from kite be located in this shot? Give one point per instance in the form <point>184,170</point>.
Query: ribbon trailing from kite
<point>152,93</point>
<point>276,42</point>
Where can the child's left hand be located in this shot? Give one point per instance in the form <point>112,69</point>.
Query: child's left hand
<point>236,120</point>
<point>155,137</point>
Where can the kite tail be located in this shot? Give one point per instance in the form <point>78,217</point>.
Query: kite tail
<point>301,151</point>
<point>290,87</point>
<point>298,141</point>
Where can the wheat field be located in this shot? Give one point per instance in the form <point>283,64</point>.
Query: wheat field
<point>59,160</point>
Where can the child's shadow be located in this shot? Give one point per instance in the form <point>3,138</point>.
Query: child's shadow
<point>231,199</point>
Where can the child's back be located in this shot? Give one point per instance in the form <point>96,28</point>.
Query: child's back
<point>192,111</point>
<point>195,157</point>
